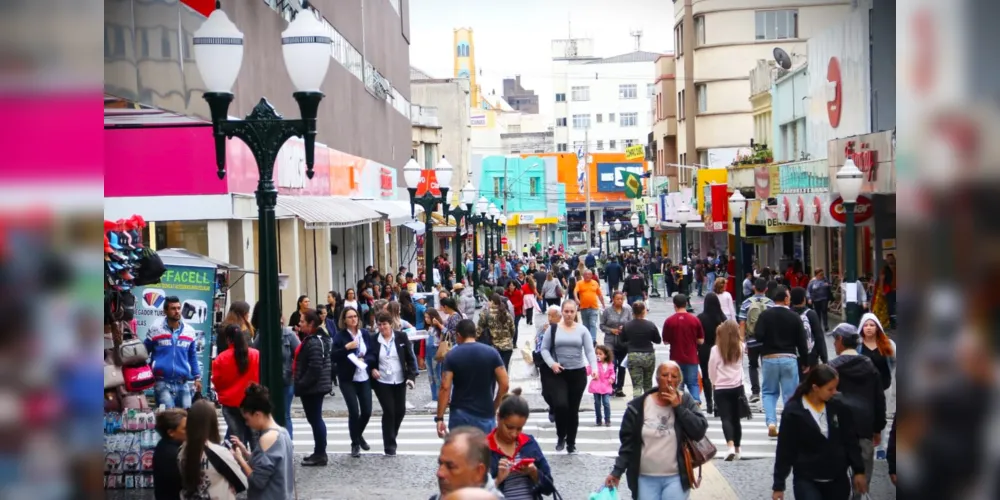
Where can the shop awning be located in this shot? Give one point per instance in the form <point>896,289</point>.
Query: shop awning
<point>182,257</point>
<point>416,227</point>
<point>323,212</point>
<point>397,211</point>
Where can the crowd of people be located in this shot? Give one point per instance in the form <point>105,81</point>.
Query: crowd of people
<point>378,337</point>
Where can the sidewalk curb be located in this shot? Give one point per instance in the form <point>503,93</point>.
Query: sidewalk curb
<point>714,486</point>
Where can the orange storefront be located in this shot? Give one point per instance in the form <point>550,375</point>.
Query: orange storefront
<point>567,175</point>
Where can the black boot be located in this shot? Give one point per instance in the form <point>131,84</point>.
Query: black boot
<point>355,451</point>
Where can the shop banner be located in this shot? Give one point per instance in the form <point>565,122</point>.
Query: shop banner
<point>718,208</point>
<point>195,287</point>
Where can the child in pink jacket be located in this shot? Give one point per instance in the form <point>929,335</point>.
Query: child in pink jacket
<point>603,386</point>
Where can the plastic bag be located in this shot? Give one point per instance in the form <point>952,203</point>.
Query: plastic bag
<point>605,493</point>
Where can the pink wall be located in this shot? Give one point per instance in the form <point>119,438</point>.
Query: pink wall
<point>160,162</point>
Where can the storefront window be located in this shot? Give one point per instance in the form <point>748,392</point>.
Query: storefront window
<point>189,235</point>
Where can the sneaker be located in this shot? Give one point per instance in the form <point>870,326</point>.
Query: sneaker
<point>755,398</point>
<point>772,431</point>
<point>552,417</point>
<point>431,406</point>
<point>390,452</point>
<point>364,445</point>
<point>731,455</point>
<point>619,394</point>
<point>607,424</point>
<point>571,449</point>
<point>355,451</point>
<point>315,461</point>
<point>736,458</point>
<point>410,406</point>
<point>560,444</point>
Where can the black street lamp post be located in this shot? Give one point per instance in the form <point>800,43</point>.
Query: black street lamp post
<point>634,220</point>
<point>428,181</point>
<point>461,213</point>
<point>218,52</point>
<point>849,182</point>
<point>477,220</point>
<point>737,204</point>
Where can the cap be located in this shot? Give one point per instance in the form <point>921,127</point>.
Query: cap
<point>843,330</point>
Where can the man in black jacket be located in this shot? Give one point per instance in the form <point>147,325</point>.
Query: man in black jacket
<point>860,390</point>
<point>813,326</point>
<point>784,354</point>
<point>635,286</point>
<point>613,275</point>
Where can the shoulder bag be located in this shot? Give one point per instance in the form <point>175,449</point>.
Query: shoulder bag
<point>442,349</point>
<point>537,358</point>
<point>697,453</point>
<point>225,470</point>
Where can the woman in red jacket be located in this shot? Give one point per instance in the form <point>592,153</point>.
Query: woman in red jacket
<point>516,298</point>
<point>232,372</point>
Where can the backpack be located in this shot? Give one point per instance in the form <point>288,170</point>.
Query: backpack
<point>810,341</point>
<point>757,306</point>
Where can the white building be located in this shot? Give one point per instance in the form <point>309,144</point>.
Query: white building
<point>608,100</point>
<point>448,100</point>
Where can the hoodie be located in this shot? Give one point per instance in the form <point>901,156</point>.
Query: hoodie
<point>885,364</point>
<point>860,389</point>
<point>173,352</point>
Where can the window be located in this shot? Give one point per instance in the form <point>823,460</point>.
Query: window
<point>611,117</point>
<point>600,117</point>
<point>702,90</point>
<point>650,89</point>
<point>561,122</point>
<point>699,31</point>
<point>630,142</point>
<point>560,97</point>
<point>612,145</point>
<point>581,93</point>
<point>680,105</point>
<point>561,147</point>
<point>462,50</point>
<point>533,186</point>
<point>498,187</point>
<point>629,119</point>
<point>776,24</point>
<point>679,38</point>
<point>413,154</point>
<point>703,157</point>
<point>581,121</point>
<point>600,145</point>
<point>627,91</point>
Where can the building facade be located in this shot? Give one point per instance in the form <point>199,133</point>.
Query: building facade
<point>520,98</point>
<point>449,97</point>
<point>664,105</point>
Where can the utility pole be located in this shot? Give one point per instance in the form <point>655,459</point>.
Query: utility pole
<point>506,192</point>
<point>586,173</point>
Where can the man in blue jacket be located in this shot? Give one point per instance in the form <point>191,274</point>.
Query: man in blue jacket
<point>173,351</point>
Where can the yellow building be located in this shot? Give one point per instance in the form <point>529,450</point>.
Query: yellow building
<point>465,62</point>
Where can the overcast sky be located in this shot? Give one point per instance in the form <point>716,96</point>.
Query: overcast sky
<point>514,36</point>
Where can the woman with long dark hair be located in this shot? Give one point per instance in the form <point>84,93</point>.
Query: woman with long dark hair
<point>334,306</point>
<point>233,370</point>
<point>270,469</point>
<point>301,306</point>
<point>818,442</point>
<point>239,315</point>
<point>207,469</point>
<point>313,382</point>
<point>711,317</point>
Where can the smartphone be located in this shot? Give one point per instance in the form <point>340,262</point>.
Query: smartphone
<point>522,463</point>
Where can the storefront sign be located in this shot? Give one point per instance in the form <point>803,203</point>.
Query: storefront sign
<point>386,181</point>
<point>872,153</point>
<point>767,181</point>
<point>835,94</point>
<point>810,176</point>
<point>195,287</point>
<point>526,219</point>
<point>477,120</point>
<point>636,152</point>
<point>775,219</point>
<point>428,183</point>
<point>717,208</point>
<point>864,158</point>
<point>609,176</point>
<point>863,210</point>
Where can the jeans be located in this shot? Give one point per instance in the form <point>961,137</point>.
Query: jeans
<point>632,299</point>
<point>589,317</point>
<point>173,394</point>
<point>753,353</point>
<point>358,396</point>
<point>517,322</point>
<point>458,417</point>
<point>662,488</point>
<point>312,404</point>
<point>237,426</point>
<point>433,371</point>
<point>780,374</point>
<point>641,366</point>
<point>566,392</point>
<point>727,407</point>
<point>602,400</point>
<point>289,396</point>
<point>690,374</point>
<point>392,398</point>
<point>807,489</point>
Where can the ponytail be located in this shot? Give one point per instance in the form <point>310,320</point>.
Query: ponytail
<point>241,352</point>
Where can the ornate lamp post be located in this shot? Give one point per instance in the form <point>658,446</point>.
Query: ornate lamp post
<point>501,231</point>
<point>618,229</point>
<point>477,220</point>
<point>737,204</point>
<point>849,181</point>
<point>460,213</point>
<point>634,221</point>
<point>605,228</point>
<point>493,213</point>
<point>218,51</point>
<point>438,178</point>
<point>683,215</point>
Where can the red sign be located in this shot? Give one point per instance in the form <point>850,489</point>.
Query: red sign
<point>428,183</point>
<point>833,107</point>
<point>720,207</point>
<point>503,240</point>
<point>388,227</point>
<point>802,210</point>
<point>864,158</point>
<point>863,210</point>
<point>817,209</point>
<point>203,7</point>
<point>786,209</point>
<point>385,181</point>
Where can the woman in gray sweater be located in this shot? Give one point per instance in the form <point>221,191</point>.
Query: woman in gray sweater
<point>270,469</point>
<point>568,352</point>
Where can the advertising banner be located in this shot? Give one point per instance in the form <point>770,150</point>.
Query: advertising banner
<point>718,208</point>
<point>195,287</point>
<point>636,152</point>
<point>610,178</point>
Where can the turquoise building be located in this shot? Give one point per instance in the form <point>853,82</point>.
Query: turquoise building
<point>529,189</point>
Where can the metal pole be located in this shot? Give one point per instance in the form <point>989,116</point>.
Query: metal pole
<point>852,309</point>
<point>586,171</point>
<point>738,279</point>
<point>428,253</point>
<point>475,262</point>
<point>684,254</point>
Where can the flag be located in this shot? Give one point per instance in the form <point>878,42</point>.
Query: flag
<point>633,184</point>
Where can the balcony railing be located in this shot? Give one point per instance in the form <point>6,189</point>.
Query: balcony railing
<point>808,176</point>
<point>425,116</point>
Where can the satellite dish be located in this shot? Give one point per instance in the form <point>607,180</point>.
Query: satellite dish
<point>783,59</point>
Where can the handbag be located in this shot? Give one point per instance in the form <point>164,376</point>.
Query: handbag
<point>442,350</point>
<point>113,377</point>
<point>132,400</point>
<point>137,378</point>
<point>133,352</point>
<point>696,454</point>
<point>744,405</point>
<point>537,358</point>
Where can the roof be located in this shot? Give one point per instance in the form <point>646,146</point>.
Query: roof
<point>631,57</point>
<point>397,211</point>
<point>323,212</point>
<point>417,74</point>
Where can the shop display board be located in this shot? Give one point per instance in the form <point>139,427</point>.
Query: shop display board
<point>195,287</point>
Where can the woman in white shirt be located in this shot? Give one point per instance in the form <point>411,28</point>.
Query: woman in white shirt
<point>725,298</point>
<point>393,368</point>
<point>351,299</point>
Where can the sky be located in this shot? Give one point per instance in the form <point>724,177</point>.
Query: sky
<point>514,36</point>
